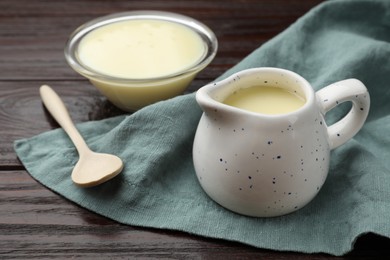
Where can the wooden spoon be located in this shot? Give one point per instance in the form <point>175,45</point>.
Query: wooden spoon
<point>92,168</point>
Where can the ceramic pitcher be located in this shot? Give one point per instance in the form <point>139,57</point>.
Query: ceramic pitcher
<point>269,165</point>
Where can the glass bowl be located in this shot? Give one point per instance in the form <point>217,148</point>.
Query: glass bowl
<point>129,93</point>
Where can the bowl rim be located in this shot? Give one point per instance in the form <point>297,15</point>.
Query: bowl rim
<point>206,34</point>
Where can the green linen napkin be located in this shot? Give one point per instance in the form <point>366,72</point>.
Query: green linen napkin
<point>158,187</point>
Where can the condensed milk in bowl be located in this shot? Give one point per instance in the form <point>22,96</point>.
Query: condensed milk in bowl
<point>140,57</point>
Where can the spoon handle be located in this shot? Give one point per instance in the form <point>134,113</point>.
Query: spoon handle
<point>57,109</point>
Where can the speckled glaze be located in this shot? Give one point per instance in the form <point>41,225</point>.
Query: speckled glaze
<point>270,165</point>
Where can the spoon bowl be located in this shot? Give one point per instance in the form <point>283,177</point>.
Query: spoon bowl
<point>95,168</point>
<point>92,168</point>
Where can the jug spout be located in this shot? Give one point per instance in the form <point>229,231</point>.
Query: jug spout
<point>211,97</point>
<point>205,97</point>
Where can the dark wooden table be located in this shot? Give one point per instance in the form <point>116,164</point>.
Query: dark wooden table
<point>37,223</point>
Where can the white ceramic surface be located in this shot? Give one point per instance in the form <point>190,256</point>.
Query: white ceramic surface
<point>270,165</point>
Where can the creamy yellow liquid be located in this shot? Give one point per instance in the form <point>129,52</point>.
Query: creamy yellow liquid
<point>143,48</point>
<point>265,100</point>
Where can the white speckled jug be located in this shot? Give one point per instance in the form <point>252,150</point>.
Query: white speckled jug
<point>270,165</point>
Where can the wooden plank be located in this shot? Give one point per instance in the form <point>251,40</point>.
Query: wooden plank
<point>33,37</point>
<point>35,221</point>
<point>22,113</point>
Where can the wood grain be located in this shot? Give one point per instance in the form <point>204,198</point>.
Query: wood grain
<point>38,223</point>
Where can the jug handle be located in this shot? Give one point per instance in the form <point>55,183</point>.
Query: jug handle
<point>346,90</point>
